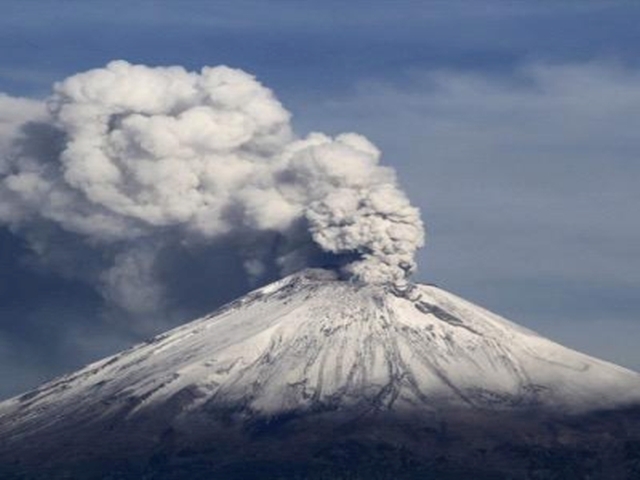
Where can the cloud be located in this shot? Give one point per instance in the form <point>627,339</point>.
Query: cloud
<point>129,161</point>
<point>14,112</point>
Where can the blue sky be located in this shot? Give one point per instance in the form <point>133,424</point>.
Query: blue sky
<point>512,125</point>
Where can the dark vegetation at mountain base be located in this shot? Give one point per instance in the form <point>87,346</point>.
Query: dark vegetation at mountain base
<point>491,446</point>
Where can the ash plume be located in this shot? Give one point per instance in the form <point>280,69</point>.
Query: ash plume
<point>133,161</point>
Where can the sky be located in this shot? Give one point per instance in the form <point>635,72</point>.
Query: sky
<point>512,126</point>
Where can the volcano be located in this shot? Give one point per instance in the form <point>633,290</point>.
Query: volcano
<point>317,377</point>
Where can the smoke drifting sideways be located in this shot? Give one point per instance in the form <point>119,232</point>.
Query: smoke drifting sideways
<point>125,163</point>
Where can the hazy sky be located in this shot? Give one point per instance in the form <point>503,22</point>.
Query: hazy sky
<point>512,125</point>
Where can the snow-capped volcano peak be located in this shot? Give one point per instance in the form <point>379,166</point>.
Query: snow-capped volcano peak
<point>311,342</point>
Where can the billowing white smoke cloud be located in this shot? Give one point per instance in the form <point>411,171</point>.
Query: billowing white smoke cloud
<point>131,158</point>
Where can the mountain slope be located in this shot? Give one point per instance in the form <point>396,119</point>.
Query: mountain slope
<point>311,347</point>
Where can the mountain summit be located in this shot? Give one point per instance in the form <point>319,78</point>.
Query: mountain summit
<point>306,364</point>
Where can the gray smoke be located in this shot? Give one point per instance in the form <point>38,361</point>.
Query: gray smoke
<point>131,161</point>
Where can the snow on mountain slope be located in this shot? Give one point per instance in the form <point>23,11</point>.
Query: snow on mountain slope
<point>312,342</point>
